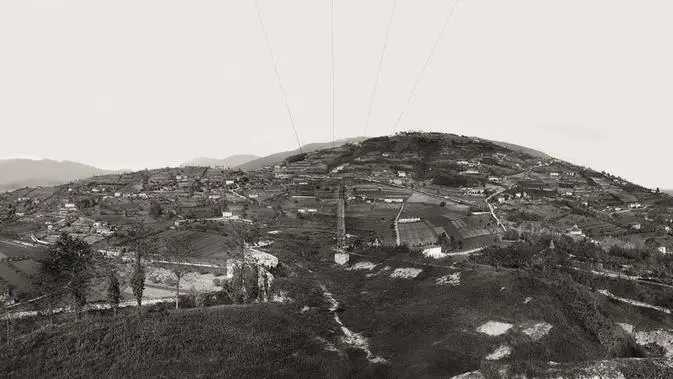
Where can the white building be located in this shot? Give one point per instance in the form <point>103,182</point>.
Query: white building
<point>409,220</point>
<point>575,231</point>
<point>341,258</point>
<point>434,252</point>
<point>662,249</point>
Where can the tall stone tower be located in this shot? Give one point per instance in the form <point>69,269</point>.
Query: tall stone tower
<point>341,218</point>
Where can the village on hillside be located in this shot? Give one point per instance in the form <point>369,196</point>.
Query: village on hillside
<point>354,222</point>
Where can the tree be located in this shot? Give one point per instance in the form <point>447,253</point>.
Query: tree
<point>70,266</point>
<point>155,209</point>
<point>5,299</point>
<point>138,281</point>
<point>178,252</point>
<point>142,245</point>
<point>113,291</point>
<point>442,204</point>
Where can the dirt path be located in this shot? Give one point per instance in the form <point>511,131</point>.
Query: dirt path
<point>635,302</point>
<point>356,340</point>
<point>616,275</point>
<point>398,239</point>
<point>490,207</point>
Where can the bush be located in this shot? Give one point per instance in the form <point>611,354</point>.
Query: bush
<point>516,255</point>
<point>453,180</point>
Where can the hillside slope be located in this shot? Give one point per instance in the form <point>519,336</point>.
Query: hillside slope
<point>522,149</point>
<point>17,173</point>
<point>231,161</point>
<point>278,157</point>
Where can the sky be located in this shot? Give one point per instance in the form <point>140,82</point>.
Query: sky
<point>131,84</point>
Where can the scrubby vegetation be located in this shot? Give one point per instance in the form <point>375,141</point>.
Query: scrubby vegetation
<point>260,341</point>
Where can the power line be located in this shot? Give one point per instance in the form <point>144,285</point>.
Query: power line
<point>425,66</point>
<point>378,72</point>
<point>332,80</point>
<point>280,82</point>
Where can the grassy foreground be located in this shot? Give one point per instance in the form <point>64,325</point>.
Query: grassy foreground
<point>227,342</point>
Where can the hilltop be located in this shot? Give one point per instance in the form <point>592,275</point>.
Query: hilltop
<point>465,256</point>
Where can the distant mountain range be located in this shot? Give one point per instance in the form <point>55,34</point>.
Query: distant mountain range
<point>19,173</point>
<point>232,161</point>
<point>252,162</point>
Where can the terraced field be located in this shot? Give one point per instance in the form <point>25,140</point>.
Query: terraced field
<point>465,231</point>
<point>18,280</point>
<point>27,267</point>
<point>431,212</point>
<point>380,190</point>
<point>598,228</point>
<point>417,234</point>
<point>13,250</point>
<point>204,244</point>
<point>378,218</point>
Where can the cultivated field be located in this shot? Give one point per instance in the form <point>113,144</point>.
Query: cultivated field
<point>204,244</point>
<point>417,234</point>
<point>11,275</point>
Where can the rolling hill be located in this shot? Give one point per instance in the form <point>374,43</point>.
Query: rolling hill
<point>231,161</point>
<point>18,173</point>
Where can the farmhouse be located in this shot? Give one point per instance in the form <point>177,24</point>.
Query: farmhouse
<point>575,231</point>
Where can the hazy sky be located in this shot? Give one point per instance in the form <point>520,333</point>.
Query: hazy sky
<point>136,83</point>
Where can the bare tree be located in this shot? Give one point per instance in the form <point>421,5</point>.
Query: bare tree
<point>178,252</point>
<point>113,290</point>
<point>138,281</point>
<point>5,298</point>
